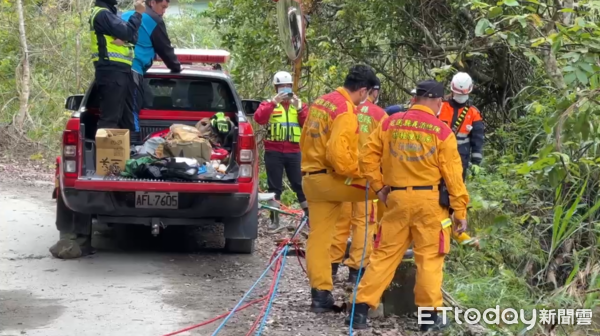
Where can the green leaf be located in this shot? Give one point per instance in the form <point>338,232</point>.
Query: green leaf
<point>495,12</point>
<point>511,40</point>
<point>489,31</point>
<point>524,168</point>
<point>538,42</point>
<point>581,77</point>
<point>586,67</point>
<point>557,44</point>
<point>511,3</point>
<point>568,68</point>
<point>570,78</point>
<point>482,25</point>
<point>501,220</point>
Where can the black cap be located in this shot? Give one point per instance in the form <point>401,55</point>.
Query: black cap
<point>430,89</point>
<point>377,83</point>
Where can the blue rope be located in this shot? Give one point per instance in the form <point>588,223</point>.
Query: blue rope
<point>248,292</point>
<point>362,258</point>
<point>271,299</point>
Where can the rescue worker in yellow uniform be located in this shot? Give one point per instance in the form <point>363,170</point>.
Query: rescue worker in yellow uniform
<point>329,146</point>
<point>416,151</point>
<point>353,215</point>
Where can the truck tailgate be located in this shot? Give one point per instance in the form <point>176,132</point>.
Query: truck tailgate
<point>103,183</point>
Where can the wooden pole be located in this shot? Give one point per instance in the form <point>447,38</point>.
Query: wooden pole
<point>297,73</point>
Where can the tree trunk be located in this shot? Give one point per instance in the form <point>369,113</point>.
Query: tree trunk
<point>25,73</point>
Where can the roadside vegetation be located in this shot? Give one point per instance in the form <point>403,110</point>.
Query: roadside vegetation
<point>535,65</point>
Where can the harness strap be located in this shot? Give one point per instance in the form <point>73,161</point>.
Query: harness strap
<point>461,118</point>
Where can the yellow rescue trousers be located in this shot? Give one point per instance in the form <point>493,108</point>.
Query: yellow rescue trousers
<point>411,216</point>
<point>325,194</point>
<point>352,222</point>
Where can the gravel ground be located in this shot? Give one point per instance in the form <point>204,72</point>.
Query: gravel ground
<point>137,285</point>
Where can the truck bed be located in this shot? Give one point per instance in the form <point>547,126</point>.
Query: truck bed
<point>231,177</point>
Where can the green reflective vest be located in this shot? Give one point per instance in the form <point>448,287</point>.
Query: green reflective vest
<point>220,122</point>
<point>107,49</point>
<point>284,125</point>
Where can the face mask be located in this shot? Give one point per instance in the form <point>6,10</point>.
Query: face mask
<point>284,90</point>
<point>461,99</point>
<point>364,100</point>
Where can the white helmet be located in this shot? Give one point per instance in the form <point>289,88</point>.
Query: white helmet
<point>282,77</point>
<point>461,84</point>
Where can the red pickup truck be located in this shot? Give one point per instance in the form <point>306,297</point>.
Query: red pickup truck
<point>197,92</point>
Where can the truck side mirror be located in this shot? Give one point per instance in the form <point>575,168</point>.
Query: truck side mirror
<point>73,102</point>
<point>250,106</point>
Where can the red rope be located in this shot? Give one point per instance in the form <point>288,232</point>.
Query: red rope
<point>288,209</point>
<point>218,317</point>
<point>266,304</point>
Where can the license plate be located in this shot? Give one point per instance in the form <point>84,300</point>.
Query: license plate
<point>156,200</point>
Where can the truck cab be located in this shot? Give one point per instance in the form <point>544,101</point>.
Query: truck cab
<point>201,90</point>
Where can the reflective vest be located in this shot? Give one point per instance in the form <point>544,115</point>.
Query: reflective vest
<point>467,125</point>
<point>284,125</point>
<point>105,48</point>
<point>220,123</point>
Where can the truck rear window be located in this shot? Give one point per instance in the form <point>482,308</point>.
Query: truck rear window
<point>188,94</point>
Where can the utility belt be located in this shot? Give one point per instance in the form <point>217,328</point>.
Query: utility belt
<point>414,188</point>
<point>322,171</point>
<point>444,199</point>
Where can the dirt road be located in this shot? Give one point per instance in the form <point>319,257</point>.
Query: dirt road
<point>136,291</point>
<point>135,284</point>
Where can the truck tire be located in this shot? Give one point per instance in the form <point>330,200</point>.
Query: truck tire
<point>241,232</point>
<point>206,237</point>
<point>69,221</point>
<point>241,246</point>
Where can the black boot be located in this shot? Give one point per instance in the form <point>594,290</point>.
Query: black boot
<point>274,216</point>
<point>322,301</point>
<point>361,311</point>
<point>438,323</point>
<point>334,269</point>
<point>353,274</point>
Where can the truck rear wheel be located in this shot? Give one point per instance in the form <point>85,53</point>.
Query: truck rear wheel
<point>69,221</point>
<point>242,246</point>
<point>241,232</point>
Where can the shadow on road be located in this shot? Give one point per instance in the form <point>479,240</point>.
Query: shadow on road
<point>173,239</point>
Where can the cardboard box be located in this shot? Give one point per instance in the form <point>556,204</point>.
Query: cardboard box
<point>112,150</point>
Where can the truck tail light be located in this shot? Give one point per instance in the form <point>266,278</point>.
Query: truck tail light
<point>70,153</point>
<point>246,157</point>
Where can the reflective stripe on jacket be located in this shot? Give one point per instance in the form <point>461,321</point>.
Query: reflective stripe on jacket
<point>369,117</point>
<point>412,149</point>
<point>104,47</point>
<point>469,136</point>
<point>284,125</point>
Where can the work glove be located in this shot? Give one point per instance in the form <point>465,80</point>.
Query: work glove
<point>279,97</point>
<point>296,102</point>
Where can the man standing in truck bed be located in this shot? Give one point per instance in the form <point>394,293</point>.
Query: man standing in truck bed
<point>112,58</point>
<point>152,39</point>
<point>112,53</point>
